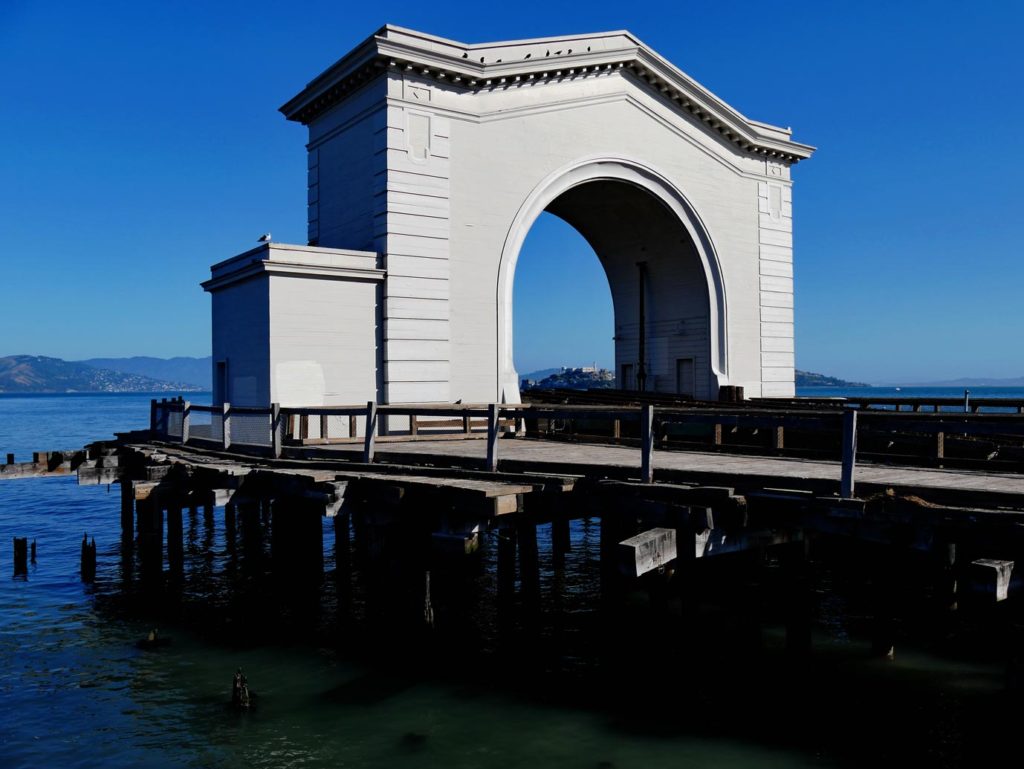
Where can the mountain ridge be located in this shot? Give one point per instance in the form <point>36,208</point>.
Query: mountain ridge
<point>185,369</point>
<point>41,374</point>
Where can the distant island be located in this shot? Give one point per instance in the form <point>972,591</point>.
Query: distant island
<point>810,379</point>
<point>582,378</point>
<point>593,378</point>
<point>39,374</point>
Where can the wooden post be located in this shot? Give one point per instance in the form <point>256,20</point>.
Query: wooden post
<point>353,425</point>
<point>175,535</point>
<point>127,511</point>
<point>275,429</point>
<point>186,419</point>
<point>20,556</point>
<point>88,560</point>
<point>617,429</point>
<point>467,424</point>
<point>849,452</point>
<point>529,562</point>
<point>647,443</point>
<point>492,437</point>
<point>778,438</point>
<point>940,445</point>
<point>324,427</point>
<point>152,416</point>
<point>718,435</point>
<point>226,425</point>
<point>413,425</point>
<point>946,582</point>
<point>371,431</point>
<point>506,564</point>
<point>798,604</point>
<point>303,427</point>
<point>561,542</point>
<point>885,587</point>
<point>10,459</point>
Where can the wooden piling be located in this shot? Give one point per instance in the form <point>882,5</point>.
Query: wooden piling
<point>885,588</point>
<point>127,511</point>
<point>32,554</point>
<point>371,432</point>
<point>175,543</point>
<point>275,429</point>
<point>778,438</point>
<point>20,556</point>
<point>88,559</point>
<point>849,453</point>
<point>506,536</point>
<point>529,561</point>
<point>150,523</point>
<point>647,444</point>
<point>229,526</point>
<point>492,437</point>
<point>225,415</point>
<point>561,542</point>
<point>796,578</point>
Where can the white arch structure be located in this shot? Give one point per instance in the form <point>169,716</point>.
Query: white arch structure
<point>629,171</point>
<point>428,162</point>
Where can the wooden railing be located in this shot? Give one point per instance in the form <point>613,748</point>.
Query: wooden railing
<point>271,428</point>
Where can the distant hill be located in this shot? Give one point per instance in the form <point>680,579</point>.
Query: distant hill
<point>536,376</point>
<point>576,379</point>
<point>810,379</point>
<point>193,371</point>
<point>1017,381</point>
<point>38,374</point>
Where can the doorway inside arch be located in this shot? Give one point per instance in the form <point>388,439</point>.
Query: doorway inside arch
<point>640,308</point>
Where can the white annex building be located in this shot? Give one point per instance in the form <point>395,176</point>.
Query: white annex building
<point>429,160</point>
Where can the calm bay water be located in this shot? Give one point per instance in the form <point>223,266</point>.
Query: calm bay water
<point>346,677</point>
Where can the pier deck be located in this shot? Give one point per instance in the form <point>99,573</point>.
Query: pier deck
<point>822,476</point>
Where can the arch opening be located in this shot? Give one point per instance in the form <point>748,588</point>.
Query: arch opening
<point>563,313</point>
<point>662,271</point>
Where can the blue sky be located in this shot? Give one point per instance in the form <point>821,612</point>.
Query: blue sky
<point>141,143</point>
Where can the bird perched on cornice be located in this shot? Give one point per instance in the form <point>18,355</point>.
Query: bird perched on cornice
<point>264,238</point>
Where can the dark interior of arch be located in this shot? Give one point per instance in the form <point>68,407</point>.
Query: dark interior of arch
<point>627,225</point>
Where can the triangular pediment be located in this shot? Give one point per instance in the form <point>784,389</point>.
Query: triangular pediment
<point>495,65</point>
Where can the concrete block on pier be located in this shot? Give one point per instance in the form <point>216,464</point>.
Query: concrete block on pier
<point>465,543</point>
<point>991,578</point>
<point>647,551</point>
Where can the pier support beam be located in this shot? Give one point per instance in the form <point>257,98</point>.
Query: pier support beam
<point>885,593</point>
<point>529,563</point>
<point>561,542</point>
<point>175,544</point>
<point>506,556</point>
<point>150,526</point>
<point>797,586</point>
<point>127,512</point>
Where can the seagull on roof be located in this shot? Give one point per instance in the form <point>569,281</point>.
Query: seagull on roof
<point>264,238</point>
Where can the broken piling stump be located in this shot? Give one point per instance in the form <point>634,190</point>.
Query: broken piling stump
<point>20,556</point>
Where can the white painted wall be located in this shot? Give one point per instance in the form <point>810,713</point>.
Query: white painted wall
<point>299,325</point>
<point>241,339</point>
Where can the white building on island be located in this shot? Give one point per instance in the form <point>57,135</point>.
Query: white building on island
<point>429,160</point>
